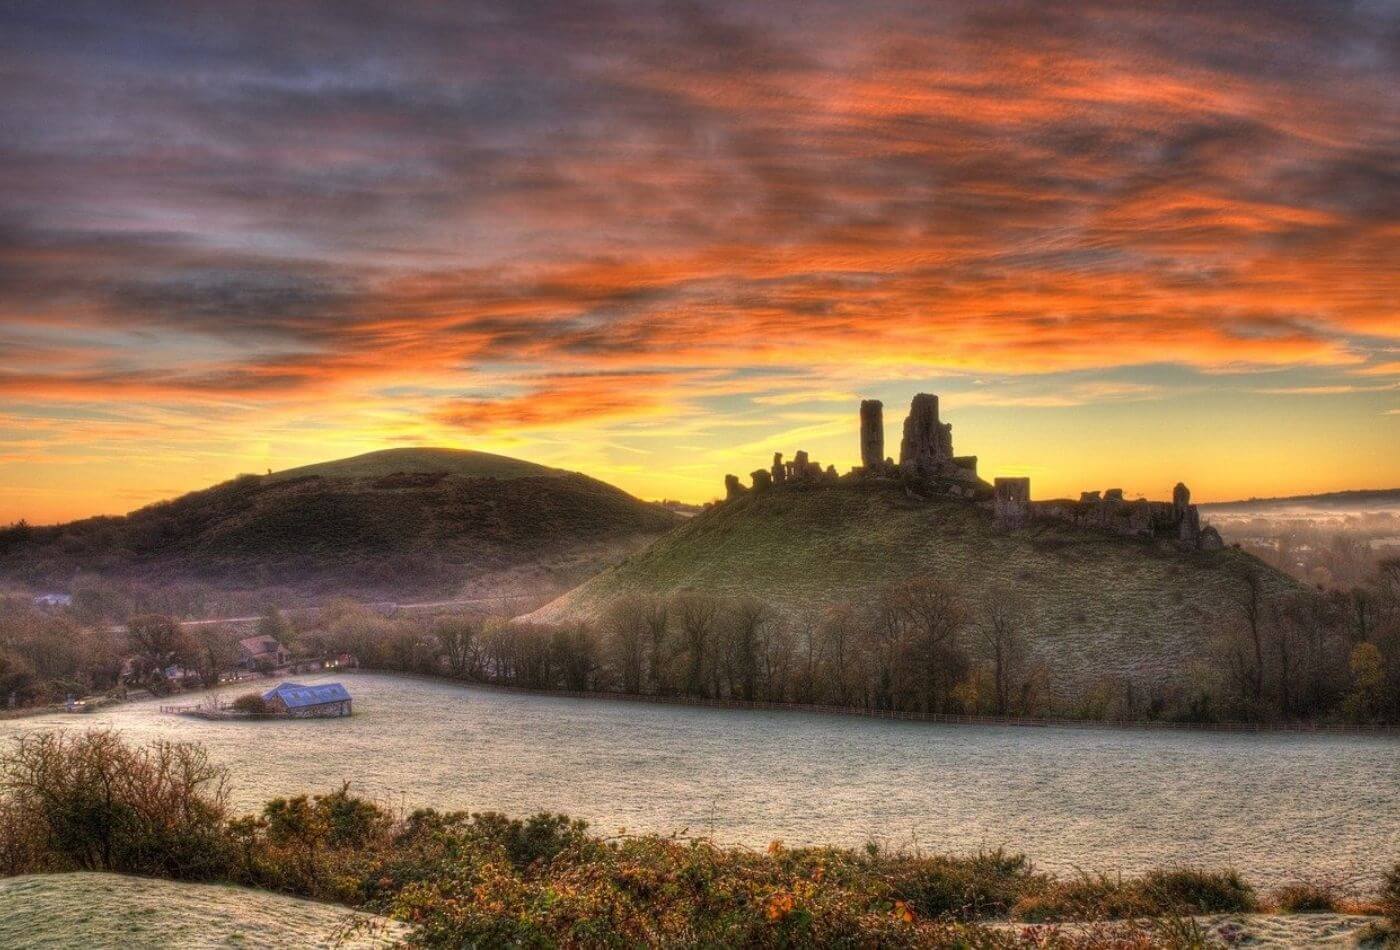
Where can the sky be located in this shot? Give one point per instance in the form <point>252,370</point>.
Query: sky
<point>1127,244</point>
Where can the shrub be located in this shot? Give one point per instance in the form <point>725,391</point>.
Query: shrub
<point>1306,898</point>
<point>253,704</point>
<point>1158,893</point>
<point>94,803</point>
<point>1390,895</point>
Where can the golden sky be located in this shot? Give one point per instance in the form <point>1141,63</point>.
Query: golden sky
<point>656,242</point>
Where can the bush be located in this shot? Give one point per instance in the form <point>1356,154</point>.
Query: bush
<point>1390,895</point>
<point>1306,898</point>
<point>1158,893</point>
<point>253,704</point>
<point>91,802</point>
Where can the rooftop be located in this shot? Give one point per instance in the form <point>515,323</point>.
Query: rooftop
<point>297,696</point>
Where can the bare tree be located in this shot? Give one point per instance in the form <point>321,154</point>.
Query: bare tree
<point>1002,631</point>
<point>158,642</point>
<point>627,629</point>
<point>931,616</point>
<point>458,638</point>
<point>696,614</point>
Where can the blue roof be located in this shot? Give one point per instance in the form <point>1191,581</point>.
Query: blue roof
<point>295,695</point>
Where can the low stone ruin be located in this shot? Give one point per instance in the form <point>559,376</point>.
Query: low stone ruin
<point>927,466</point>
<point>1011,503</point>
<point>1177,519</point>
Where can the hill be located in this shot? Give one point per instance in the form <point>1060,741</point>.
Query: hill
<point>407,522</point>
<point>115,910</point>
<point>1100,605</point>
<point>421,461</point>
<point>1355,499</point>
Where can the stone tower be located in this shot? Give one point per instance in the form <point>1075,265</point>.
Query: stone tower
<point>928,443</point>
<point>872,434</point>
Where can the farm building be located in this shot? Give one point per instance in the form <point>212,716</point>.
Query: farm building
<point>304,702</point>
<point>261,651</point>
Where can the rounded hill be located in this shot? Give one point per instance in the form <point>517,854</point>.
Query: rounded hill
<point>421,461</point>
<point>388,525</point>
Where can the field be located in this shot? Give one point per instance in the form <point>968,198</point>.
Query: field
<point>53,911</point>
<point>1101,606</point>
<point>1111,800</point>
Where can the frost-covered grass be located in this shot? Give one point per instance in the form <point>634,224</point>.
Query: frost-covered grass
<point>115,910</point>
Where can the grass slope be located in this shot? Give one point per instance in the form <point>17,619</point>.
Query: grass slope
<point>1101,605</point>
<point>113,910</point>
<point>395,523</point>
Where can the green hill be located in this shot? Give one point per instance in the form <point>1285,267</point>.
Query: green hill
<point>116,910</point>
<point>398,524</point>
<point>1100,605</point>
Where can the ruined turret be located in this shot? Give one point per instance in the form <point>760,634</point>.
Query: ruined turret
<point>779,470</point>
<point>872,434</point>
<point>927,442</point>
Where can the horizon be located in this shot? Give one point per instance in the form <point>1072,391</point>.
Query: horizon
<point>656,244</point>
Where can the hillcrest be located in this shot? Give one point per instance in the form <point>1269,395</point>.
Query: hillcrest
<point>927,466</point>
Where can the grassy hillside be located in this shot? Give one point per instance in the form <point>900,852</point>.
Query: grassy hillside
<point>393,524</point>
<point>1100,605</point>
<point>114,910</point>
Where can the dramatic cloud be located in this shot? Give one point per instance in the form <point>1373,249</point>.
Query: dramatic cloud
<point>420,222</point>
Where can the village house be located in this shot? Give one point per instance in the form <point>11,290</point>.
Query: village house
<point>306,702</point>
<point>261,652</point>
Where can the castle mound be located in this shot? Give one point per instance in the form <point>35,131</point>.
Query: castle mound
<point>388,525</point>
<point>1111,589</point>
<point>1101,604</point>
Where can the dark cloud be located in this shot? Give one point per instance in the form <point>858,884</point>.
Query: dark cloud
<point>362,192</point>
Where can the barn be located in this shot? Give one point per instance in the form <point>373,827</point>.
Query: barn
<point>307,702</point>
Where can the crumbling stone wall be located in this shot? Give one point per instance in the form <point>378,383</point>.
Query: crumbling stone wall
<point>1177,519</point>
<point>1011,503</point>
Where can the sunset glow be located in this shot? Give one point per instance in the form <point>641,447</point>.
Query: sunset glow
<point>656,242</point>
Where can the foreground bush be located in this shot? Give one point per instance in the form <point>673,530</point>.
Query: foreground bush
<point>1157,893</point>
<point>91,802</point>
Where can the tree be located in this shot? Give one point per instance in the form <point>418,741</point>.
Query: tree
<point>159,642</point>
<point>696,614</point>
<point>216,650</point>
<point>627,626</point>
<point>1368,677</point>
<point>931,616</point>
<point>457,638</point>
<point>273,624</point>
<point>1002,633</point>
<point>746,644</point>
<point>1244,635</point>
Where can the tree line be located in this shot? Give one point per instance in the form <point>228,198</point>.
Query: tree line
<point>922,646</point>
<point>918,646</point>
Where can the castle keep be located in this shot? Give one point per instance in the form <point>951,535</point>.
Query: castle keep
<point>927,466</point>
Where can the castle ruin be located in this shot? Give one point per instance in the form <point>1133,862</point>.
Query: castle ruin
<point>927,467</point>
